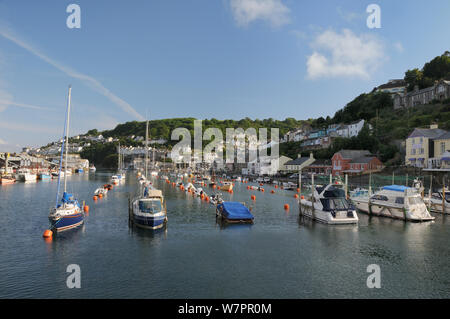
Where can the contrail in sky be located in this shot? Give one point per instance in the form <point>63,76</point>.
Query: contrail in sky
<point>88,80</point>
<point>27,106</point>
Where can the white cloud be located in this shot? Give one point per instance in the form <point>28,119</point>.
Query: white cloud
<point>88,80</point>
<point>272,11</point>
<point>344,54</point>
<point>399,47</point>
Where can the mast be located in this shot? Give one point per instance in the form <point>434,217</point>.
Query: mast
<point>118,163</point>
<point>146,149</point>
<point>67,138</point>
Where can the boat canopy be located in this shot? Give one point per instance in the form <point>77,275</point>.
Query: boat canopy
<point>396,188</point>
<point>235,210</point>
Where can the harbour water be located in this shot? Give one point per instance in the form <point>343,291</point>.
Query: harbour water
<point>279,256</point>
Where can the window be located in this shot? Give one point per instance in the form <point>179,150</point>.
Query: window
<point>414,200</point>
<point>399,200</point>
<point>442,148</point>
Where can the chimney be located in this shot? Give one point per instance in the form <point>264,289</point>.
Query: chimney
<point>434,126</point>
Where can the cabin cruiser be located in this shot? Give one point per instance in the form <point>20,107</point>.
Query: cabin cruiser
<point>328,205</point>
<point>395,201</point>
<point>101,190</point>
<point>436,202</point>
<point>289,186</point>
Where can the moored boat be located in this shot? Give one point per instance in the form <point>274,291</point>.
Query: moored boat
<point>395,201</point>
<point>328,205</point>
<point>7,179</point>
<point>234,212</point>
<point>67,214</point>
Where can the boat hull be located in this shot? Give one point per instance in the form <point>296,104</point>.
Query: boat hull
<point>67,222</point>
<point>149,222</point>
<point>377,209</point>
<point>7,181</point>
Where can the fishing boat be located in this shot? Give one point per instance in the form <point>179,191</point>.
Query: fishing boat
<point>44,176</point>
<point>148,209</point>
<point>328,205</point>
<point>67,213</point>
<point>234,212</point>
<point>395,201</point>
<point>25,175</point>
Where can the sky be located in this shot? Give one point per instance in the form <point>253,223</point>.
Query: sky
<point>223,59</point>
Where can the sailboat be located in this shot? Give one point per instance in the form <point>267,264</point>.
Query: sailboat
<point>120,173</point>
<point>149,209</point>
<point>67,213</point>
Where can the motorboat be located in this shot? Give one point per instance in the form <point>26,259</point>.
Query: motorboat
<point>101,191</point>
<point>216,199</point>
<point>92,168</point>
<point>328,205</point>
<point>289,185</point>
<point>227,186</point>
<point>395,201</point>
<point>234,212</point>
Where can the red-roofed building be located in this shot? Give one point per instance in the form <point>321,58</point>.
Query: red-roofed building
<point>354,162</point>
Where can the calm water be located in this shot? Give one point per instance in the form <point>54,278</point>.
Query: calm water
<point>279,256</point>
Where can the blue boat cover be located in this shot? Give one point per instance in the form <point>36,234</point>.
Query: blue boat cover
<point>235,210</point>
<point>68,198</point>
<point>396,188</point>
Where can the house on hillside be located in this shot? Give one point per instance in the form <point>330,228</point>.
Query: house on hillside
<point>354,162</point>
<point>439,91</point>
<point>427,147</point>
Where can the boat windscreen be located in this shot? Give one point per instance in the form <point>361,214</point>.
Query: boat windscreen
<point>150,206</point>
<point>334,192</point>
<point>335,204</point>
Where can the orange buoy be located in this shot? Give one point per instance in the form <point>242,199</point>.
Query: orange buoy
<point>248,187</point>
<point>47,233</point>
<point>298,190</point>
<point>100,195</point>
<point>302,197</point>
<point>261,184</point>
<point>95,198</point>
<point>296,196</point>
<point>262,190</point>
<point>207,198</point>
<point>218,187</point>
<point>286,206</point>
<point>231,191</point>
<point>253,197</point>
<point>86,208</point>
<point>276,186</point>
<point>272,191</point>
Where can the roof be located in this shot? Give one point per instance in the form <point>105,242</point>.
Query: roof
<point>444,136</point>
<point>363,160</point>
<point>297,161</point>
<point>352,154</point>
<point>427,132</point>
<point>321,162</point>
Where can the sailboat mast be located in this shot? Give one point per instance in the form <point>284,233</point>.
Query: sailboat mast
<point>118,159</point>
<point>146,149</point>
<point>67,138</point>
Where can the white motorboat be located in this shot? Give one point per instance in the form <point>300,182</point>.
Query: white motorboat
<point>328,205</point>
<point>101,190</point>
<point>115,180</point>
<point>395,201</point>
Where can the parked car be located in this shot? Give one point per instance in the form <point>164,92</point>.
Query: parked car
<point>295,175</point>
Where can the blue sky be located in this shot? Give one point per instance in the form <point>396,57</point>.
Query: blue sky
<point>200,58</point>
